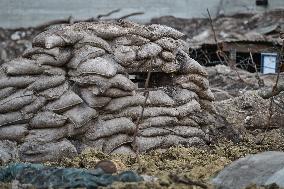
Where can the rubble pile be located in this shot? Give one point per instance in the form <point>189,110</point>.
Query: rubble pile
<point>72,89</point>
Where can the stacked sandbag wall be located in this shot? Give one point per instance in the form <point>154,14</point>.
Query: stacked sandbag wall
<point>74,84</point>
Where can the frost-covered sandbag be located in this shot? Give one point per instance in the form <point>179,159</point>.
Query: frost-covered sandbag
<point>148,50</point>
<point>47,120</point>
<point>52,151</point>
<point>8,152</point>
<point>120,103</point>
<point>101,82</point>
<point>84,53</point>
<point>62,58</point>
<point>130,40</point>
<point>131,112</point>
<point>190,66</point>
<point>54,52</point>
<point>199,80</point>
<point>22,66</point>
<point>16,101</point>
<point>188,108</point>
<point>65,102</point>
<point>93,100</point>
<point>125,55</point>
<point>122,82</point>
<point>187,131</point>
<point>206,95</point>
<point>14,118</point>
<point>55,92</point>
<point>187,121</point>
<point>14,132</point>
<point>111,127</point>
<point>46,82</point>
<point>18,82</point>
<point>36,105</point>
<point>159,121</point>
<point>115,93</point>
<point>94,41</point>
<point>6,92</point>
<point>80,115</point>
<point>98,66</point>
<point>167,43</point>
<point>51,70</point>
<point>159,98</point>
<point>164,31</point>
<point>170,67</point>
<point>182,96</point>
<point>46,135</point>
<point>116,141</point>
<point>124,149</point>
<point>153,132</point>
<point>160,111</point>
<point>168,56</point>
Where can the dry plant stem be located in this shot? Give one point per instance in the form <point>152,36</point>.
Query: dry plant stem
<point>187,181</point>
<point>274,89</point>
<point>140,119</point>
<point>220,53</point>
<point>260,81</point>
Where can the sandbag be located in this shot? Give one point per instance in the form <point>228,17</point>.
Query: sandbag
<point>115,93</point>
<point>8,152</point>
<point>159,121</point>
<point>190,66</point>
<point>54,52</point>
<point>14,132</point>
<point>189,108</point>
<point>62,58</point>
<point>36,105</point>
<point>45,82</point>
<point>84,53</point>
<point>111,127</point>
<point>80,115</point>
<point>170,67</point>
<point>53,152</point>
<point>201,81</point>
<point>47,120</point>
<point>116,141</point>
<point>131,112</point>
<point>122,82</point>
<point>125,55</point>
<point>187,121</point>
<point>182,96</point>
<point>148,50</point>
<point>22,66</point>
<point>187,131</point>
<point>129,40</point>
<point>98,66</point>
<point>94,41</point>
<point>14,118</point>
<point>120,103</point>
<point>154,132</point>
<point>168,56</point>
<point>160,111</point>
<point>16,101</point>
<point>65,102</point>
<point>6,92</point>
<point>94,101</point>
<point>101,82</point>
<point>51,70</point>
<point>164,31</point>
<point>124,149</point>
<point>159,98</point>
<point>18,82</point>
<point>167,43</point>
<point>46,135</point>
<point>55,92</point>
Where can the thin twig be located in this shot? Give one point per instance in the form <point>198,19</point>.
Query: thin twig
<point>187,181</point>
<point>140,119</point>
<point>260,81</point>
<point>107,14</point>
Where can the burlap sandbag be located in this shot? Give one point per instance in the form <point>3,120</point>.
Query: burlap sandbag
<point>154,132</point>
<point>8,152</point>
<point>131,112</point>
<point>171,67</point>
<point>84,53</point>
<point>14,132</point>
<point>46,82</point>
<point>14,118</point>
<point>54,52</point>
<point>22,66</point>
<point>16,101</point>
<point>116,141</point>
<point>148,50</point>
<point>115,93</point>
<point>125,55</point>
<point>188,108</point>
<point>168,56</point>
<point>122,82</point>
<point>111,127</point>
<point>101,82</point>
<point>55,92</point>
<point>65,102</point>
<point>35,106</point>
<point>202,94</point>
<point>160,31</point>
<point>167,43</point>
<point>94,41</point>
<point>183,96</point>
<point>6,92</point>
<point>52,70</point>
<point>159,98</point>
<point>93,100</point>
<point>199,80</point>
<point>47,120</point>
<point>98,66</point>
<point>190,66</point>
<point>124,149</point>
<point>18,82</point>
<point>80,115</point>
<point>129,40</point>
<point>160,111</point>
<point>120,103</point>
<point>36,152</point>
<point>187,121</point>
<point>160,121</point>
